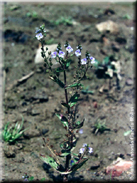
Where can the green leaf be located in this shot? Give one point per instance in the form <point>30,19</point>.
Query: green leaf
<point>65,154</point>
<point>65,105</point>
<point>68,63</point>
<point>105,61</point>
<point>127,133</point>
<point>50,161</point>
<point>96,64</point>
<point>58,81</point>
<point>31,178</point>
<point>74,85</point>
<point>59,69</point>
<point>43,179</point>
<point>73,100</point>
<point>77,166</point>
<point>63,119</point>
<point>78,124</point>
<point>75,154</point>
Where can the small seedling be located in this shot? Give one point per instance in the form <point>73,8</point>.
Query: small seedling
<point>109,68</point>
<point>12,133</point>
<point>86,90</point>
<point>63,20</point>
<point>100,127</point>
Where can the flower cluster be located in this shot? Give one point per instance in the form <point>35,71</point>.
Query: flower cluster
<point>90,149</point>
<point>40,32</point>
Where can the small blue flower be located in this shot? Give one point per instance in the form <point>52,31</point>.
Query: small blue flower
<point>37,30</point>
<point>61,54</point>
<point>84,145</point>
<point>53,54</point>
<point>83,61</point>
<point>90,150</point>
<point>81,131</point>
<point>78,53</point>
<point>92,60</point>
<point>69,49</point>
<point>25,179</point>
<point>39,36</point>
<point>71,162</point>
<point>81,151</point>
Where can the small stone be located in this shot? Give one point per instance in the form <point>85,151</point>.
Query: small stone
<point>9,152</point>
<point>30,133</point>
<point>44,131</point>
<point>95,165</point>
<point>108,26</point>
<point>129,82</point>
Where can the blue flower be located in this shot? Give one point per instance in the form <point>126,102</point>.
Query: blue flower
<point>78,53</point>
<point>92,60</point>
<point>81,151</point>
<point>81,131</point>
<point>39,36</point>
<point>69,48</point>
<point>84,145</point>
<point>61,54</point>
<point>71,162</point>
<point>83,61</point>
<point>25,179</point>
<point>90,150</point>
<point>37,30</point>
<point>53,54</point>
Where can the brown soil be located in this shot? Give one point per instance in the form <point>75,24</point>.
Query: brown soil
<point>38,110</point>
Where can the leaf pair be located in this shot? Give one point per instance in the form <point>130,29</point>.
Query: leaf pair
<point>63,119</point>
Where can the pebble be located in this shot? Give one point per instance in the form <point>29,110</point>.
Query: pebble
<point>95,165</point>
<point>9,152</point>
<point>44,131</point>
<point>129,82</point>
<point>31,133</point>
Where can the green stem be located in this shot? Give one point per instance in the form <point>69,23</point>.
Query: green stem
<point>68,157</point>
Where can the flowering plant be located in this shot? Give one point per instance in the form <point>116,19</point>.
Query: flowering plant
<point>69,123</point>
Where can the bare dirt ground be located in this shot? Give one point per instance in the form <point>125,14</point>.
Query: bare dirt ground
<point>37,99</point>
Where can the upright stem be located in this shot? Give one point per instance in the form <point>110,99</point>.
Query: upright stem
<point>66,94</point>
<point>68,157</point>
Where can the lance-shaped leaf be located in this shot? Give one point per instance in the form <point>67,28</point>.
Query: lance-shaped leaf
<point>63,119</point>
<point>65,105</point>
<point>73,100</point>
<point>68,63</point>
<point>50,161</point>
<point>96,64</point>
<point>78,124</point>
<point>78,165</point>
<point>58,81</point>
<point>105,61</point>
<point>65,154</point>
<point>74,85</point>
<point>59,69</point>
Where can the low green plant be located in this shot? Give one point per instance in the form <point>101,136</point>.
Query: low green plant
<point>100,127</point>
<point>63,20</point>
<point>50,41</point>
<point>108,68</point>
<point>86,90</point>
<point>127,16</point>
<point>32,14</point>
<point>11,133</point>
